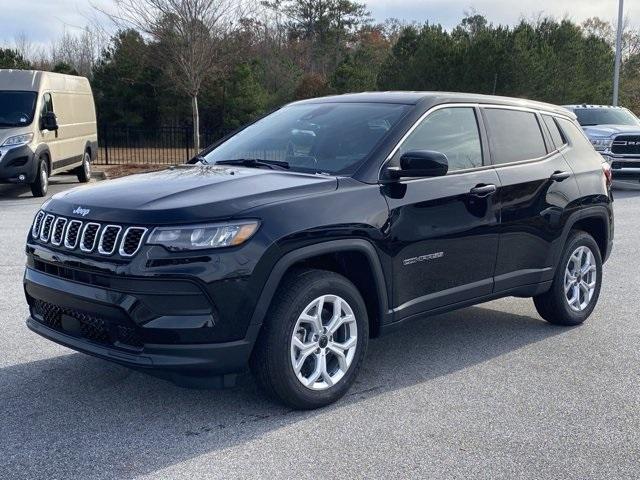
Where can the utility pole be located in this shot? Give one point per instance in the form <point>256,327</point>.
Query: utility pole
<point>616,71</point>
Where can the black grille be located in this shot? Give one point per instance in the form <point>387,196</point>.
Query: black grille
<point>131,242</point>
<point>71,239</point>
<point>618,165</point>
<point>626,145</point>
<point>85,325</point>
<point>58,231</point>
<point>46,228</point>
<point>37,223</point>
<point>108,239</point>
<point>89,235</point>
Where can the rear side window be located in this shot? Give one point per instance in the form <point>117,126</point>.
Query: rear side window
<point>452,131</point>
<point>556,136</point>
<point>515,135</point>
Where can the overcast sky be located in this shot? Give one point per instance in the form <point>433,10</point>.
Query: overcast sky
<point>44,20</point>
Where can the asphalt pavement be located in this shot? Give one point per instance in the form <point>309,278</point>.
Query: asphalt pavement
<point>486,392</point>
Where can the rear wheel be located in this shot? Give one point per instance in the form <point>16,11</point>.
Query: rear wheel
<point>84,171</point>
<point>314,340</point>
<point>576,284</point>
<point>40,185</point>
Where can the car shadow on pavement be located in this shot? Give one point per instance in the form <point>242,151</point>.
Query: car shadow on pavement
<point>94,419</point>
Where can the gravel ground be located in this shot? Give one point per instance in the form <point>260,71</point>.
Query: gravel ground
<point>487,392</point>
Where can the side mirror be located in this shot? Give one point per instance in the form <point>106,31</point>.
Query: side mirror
<point>49,121</point>
<point>420,163</point>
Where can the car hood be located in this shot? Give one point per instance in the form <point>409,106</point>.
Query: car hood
<point>610,130</point>
<point>185,194</point>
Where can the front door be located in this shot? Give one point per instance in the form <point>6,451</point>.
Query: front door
<point>50,137</point>
<point>443,232</point>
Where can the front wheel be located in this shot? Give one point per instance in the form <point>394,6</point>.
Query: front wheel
<point>576,284</point>
<point>313,341</point>
<point>40,185</point>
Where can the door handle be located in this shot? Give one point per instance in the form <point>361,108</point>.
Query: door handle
<point>560,176</point>
<point>483,190</point>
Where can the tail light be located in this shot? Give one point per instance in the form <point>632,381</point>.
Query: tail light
<point>606,169</point>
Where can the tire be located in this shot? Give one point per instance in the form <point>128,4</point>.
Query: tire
<point>561,308</point>
<point>84,171</point>
<point>272,361</point>
<point>40,185</point>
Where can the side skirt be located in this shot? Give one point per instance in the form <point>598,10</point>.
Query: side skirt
<point>521,291</point>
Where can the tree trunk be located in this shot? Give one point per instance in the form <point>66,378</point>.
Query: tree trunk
<point>196,124</point>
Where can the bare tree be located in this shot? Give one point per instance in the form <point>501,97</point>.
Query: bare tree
<point>79,51</point>
<point>24,46</point>
<point>189,34</point>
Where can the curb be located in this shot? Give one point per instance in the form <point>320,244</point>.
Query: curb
<point>99,175</point>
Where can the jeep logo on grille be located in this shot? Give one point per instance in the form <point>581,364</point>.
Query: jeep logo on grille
<point>82,211</point>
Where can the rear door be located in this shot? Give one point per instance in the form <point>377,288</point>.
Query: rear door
<point>536,189</point>
<point>443,232</point>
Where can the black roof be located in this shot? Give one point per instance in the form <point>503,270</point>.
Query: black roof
<point>434,98</point>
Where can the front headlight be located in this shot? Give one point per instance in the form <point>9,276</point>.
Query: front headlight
<point>601,144</point>
<point>200,237</point>
<point>18,140</point>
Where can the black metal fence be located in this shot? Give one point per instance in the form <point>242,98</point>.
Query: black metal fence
<point>163,145</point>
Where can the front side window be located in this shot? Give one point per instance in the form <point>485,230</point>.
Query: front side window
<point>515,135</point>
<point>17,108</point>
<point>331,138</point>
<point>452,131</point>
<point>47,103</point>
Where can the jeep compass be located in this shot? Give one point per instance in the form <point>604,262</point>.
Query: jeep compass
<point>286,246</point>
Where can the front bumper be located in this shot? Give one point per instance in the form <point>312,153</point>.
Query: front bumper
<point>104,323</point>
<point>17,165</point>
<point>624,166</point>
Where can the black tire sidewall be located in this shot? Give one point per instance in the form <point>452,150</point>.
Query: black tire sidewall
<point>82,176</point>
<point>577,240</point>
<point>287,385</point>
<point>38,188</point>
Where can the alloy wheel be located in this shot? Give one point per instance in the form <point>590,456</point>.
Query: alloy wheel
<point>580,278</point>
<point>324,341</point>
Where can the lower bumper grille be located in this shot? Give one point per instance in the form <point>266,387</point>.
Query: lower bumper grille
<point>85,325</point>
<point>628,164</point>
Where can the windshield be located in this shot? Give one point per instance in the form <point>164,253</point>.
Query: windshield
<point>331,138</point>
<point>605,116</point>
<point>17,108</point>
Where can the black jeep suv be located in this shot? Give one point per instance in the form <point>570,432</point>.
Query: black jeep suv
<point>287,245</point>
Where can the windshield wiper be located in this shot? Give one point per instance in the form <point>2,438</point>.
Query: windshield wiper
<point>256,162</point>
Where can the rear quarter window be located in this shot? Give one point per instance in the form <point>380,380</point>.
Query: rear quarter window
<point>556,135</point>
<point>515,135</point>
<point>574,134</point>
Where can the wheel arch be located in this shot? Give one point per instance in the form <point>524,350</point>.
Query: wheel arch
<point>92,148</point>
<point>337,256</point>
<point>43,150</point>
<point>596,222</point>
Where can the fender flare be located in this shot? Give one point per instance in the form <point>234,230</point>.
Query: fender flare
<point>42,148</point>
<point>93,148</point>
<point>303,253</point>
<point>596,211</point>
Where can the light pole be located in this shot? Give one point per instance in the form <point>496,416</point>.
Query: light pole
<point>616,70</point>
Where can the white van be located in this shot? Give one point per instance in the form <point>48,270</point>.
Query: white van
<point>47,126</point>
